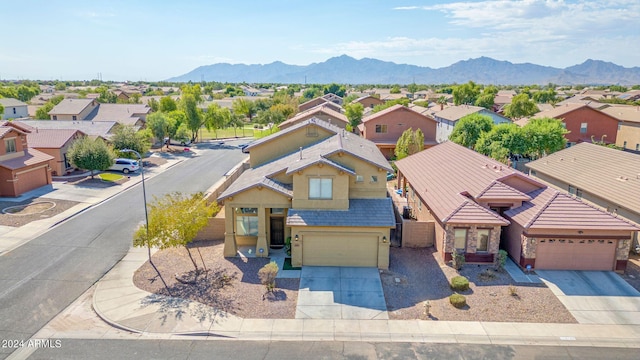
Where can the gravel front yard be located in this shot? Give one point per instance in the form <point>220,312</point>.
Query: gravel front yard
<point>423,276</point>
<point>17,220</point>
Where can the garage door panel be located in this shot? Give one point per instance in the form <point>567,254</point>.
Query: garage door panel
<point>32,180</point>
<point>576,255</point>
<point>340,250</point>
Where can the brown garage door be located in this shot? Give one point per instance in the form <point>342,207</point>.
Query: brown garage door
<point>555,254</point>
<point>326,249</point>
<point>32,180</point>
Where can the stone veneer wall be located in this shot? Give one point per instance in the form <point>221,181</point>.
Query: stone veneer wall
<point>472,238</point>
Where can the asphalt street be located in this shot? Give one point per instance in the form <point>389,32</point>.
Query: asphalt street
<point>265,350</point>
<point>44,276</point>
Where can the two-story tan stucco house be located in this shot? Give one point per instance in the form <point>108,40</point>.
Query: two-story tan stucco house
<point>320,186</point>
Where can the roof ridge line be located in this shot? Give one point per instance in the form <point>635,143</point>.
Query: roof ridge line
<point>544,207</point>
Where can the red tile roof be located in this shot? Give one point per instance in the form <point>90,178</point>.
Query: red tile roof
<point>396,107</point>
<point>31,157</point>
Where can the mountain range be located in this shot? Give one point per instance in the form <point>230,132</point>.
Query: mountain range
<point>347,70</point>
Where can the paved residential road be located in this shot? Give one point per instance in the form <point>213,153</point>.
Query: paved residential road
<point>265,350</point>
<point>44,276</point>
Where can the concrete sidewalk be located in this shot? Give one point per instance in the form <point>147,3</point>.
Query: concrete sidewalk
<point>13,237</point>
<point>118,302</point>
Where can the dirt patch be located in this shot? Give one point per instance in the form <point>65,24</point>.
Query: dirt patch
<point>422,275</point>
<point>229,284</point>
<point>29,209</point>
<point>25,218</point>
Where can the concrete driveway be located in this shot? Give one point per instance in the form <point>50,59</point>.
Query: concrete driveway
<point>595,297</point>
<point>340,293</point>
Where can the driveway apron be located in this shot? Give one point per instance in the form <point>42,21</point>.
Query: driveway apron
<point>340,293</point>
<point>595,297</point>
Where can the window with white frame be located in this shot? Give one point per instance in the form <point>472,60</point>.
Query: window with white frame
<point>320,188</point>
<point>483,239</point>
<point>374,179</point>
<point>583,128</point>
<point>359,178</point>
<point>10,145</point>
<point>460,241</point>
<point>247,221</point>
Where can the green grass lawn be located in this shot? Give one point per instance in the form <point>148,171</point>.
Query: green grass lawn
<point>110,176</point>
<point>247,131</point>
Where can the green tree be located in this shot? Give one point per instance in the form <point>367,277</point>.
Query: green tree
<point>43,111</point>
<point>353,112</point>
<point>153,104</point>
<point>412,88</point>
<point>192,113</point>
<point>193,90</point>
<point>126,137</point>
<point>410,142</point>
<point>161,125</point>
<point>502,141</point>
<point>466,93</point>
<point>468,129</point>
<point>403,101</point>
<point>175,220</point>
<point>1,109</point>
<point>486,101</point>
<point>311,93</point>
<point>167,104</point>
<point>91,155</point>
<point>244,107</point>
<point>544,136</point>
<point>395,89</point>
<point>334,88</point>
<point>521,106</point>
<point>216,118</point>
<point>548,96</point>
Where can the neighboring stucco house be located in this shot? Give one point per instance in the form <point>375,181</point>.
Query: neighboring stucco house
<point>628,136</point>
<point>73,109</point>
<point>478,205</point>
<point>448,118</point>
<point>584,123</point>
<point>318,185</point>
<point>13,109</point>
<point>90,110</point>
<point>368,101</point>
<point>602,176</point>
<point>55,143</point>
<point>322,112</point>
<point>385,127</point>
<point>21,168</point>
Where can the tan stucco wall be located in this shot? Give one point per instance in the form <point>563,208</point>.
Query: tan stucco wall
<point>341,123</point>
<point>629,132</point>
<point>381,233</point>
<point>340,194</point>
<point>365,189</point>
<point>285,144</point>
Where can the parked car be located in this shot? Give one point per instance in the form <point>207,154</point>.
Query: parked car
<point>390,176</point>
<point>125,165</point>
<point>242,147</point>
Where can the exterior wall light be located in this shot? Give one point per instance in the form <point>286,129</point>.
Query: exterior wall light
<point>384,239</point>
<point>297,238</point>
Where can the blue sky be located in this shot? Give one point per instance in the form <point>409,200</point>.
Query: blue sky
<point>154,40</point>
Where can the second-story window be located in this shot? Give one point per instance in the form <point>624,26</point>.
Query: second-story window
<point>320,188</point>
<point>75,117</point>
<point>10,145</point>
<point>381,129</point>
<point>583,128</point>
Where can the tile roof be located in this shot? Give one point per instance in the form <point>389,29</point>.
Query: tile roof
<point>70,106</point>
<point>441,174</point>
<point>499,191</point>
<point>97,128</point>
<point>471,213</point>
<point>608,173</point>
<point>31,157</point>
<point>322,108</point>
<point>361,212</point>
<point>51,139</point>
<point>394,108</point>
<point>11,102</point>
<point>558,111</point>
<point>550,209</point>
<point>122,113</point>
<point>624,113</point>
<point>313,154</point>
<point>455,113</point>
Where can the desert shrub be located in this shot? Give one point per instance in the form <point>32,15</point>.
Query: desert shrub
<point>460,283</point>
<point>487,275</point>
<point>457,260</point>
<point>267,275</point>
<point>458,301</point>
<point>513,291</point>
<point>500,260</point>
